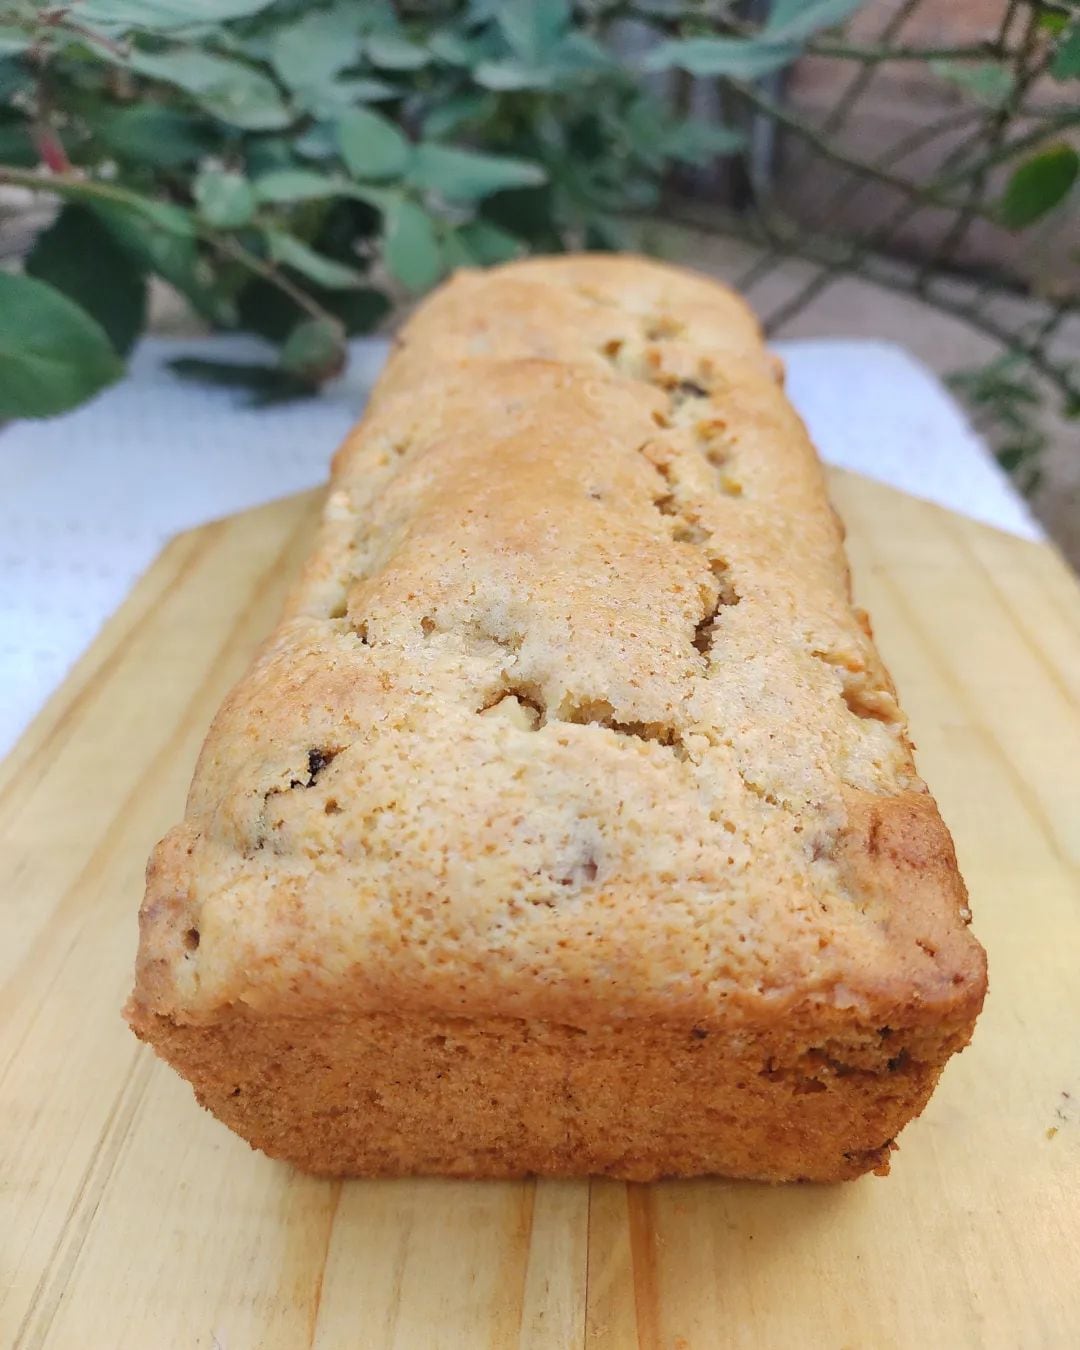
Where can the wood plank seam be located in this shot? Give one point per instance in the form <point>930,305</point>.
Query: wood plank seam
<point>588,1254</point>
<point>62,1261</point>
<point>316,1302</point>
<point>28,966</point>
<point>643,1258</point>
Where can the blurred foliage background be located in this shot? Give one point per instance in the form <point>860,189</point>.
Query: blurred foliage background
<point>296,169</point>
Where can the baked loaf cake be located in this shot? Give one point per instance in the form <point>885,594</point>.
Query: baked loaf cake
<point>567,823</point>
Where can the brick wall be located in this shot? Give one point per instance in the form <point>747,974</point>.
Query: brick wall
<point>901,99</point>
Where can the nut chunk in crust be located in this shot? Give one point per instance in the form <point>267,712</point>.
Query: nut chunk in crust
<point>567,822</point>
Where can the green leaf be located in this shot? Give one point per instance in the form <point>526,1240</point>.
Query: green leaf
<point>700,142</point>
<point>479,244</point>
<point>14,39</point>
<point>163,250</point>
<point>335,97</point>
<point>268,154</point>
<point>225,200</point>
<point>504,76</point>
<point>797,20</point>
<point>162,16</point>
<point>265,383</point>
<point>989,83</point>
<point>388,51</point>
<point>53,356</point>
<point>16,143</point>
<point>741,58</point>
<point>293,252</point>
<point>449,46</point>
<point>152,134</point>
<point>580,54</point>
<point>315,351</point>
<point>1038,186</point>
<point>1066,62</point>
<point>297,185</point>
<point>360,311</point>
<point>372,146</point>
<point>449,115</point>
<point>283,186</point>
<point>488,244</point>
<point>605,235</point>
<point>532,28</point>
<point>455,253</point>
<point>318,142</point>
<point>233,91</point>
<point>412,249</point>
<point>80,257</point>
<point>164,215</point>
<point>466,175</point>
<point>264,309</point>
<point>308,53</point>
<point>15,78</point>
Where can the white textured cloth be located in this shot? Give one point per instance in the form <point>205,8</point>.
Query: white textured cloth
<point>87,500</point>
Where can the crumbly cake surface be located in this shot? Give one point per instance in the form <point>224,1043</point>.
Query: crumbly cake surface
<point>570,725</point>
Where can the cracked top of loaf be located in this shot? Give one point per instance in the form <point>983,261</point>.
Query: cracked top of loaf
<point>570,714</point>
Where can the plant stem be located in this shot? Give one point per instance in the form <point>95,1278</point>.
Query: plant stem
<point>69,185</point>
<point>848,192</point>
<point>994,135</point>
<point>1065,380</point>
<point>865,77</point>
<point>64,185</point>
<point>917,200</point>
<point>231,248</point>
<point>932,194</point>
<point>875,55</point>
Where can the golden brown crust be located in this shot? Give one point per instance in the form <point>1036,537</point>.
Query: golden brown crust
<point>386,1094</point>
<point>570,723</point>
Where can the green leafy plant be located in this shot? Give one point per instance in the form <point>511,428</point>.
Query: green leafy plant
<point>293,168</point>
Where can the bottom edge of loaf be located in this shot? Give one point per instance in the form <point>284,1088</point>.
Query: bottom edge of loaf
<point>397,1094</point>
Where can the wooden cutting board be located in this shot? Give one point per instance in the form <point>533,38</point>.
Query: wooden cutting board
<point>130,1218</point>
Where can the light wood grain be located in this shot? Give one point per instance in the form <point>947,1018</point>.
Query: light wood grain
<point>128,1218</point>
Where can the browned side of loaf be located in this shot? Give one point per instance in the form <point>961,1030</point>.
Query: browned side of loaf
<point>391,1095</point>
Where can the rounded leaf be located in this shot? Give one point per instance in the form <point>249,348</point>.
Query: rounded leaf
<point>1066,62</point>
<point>235,92</point>
<point>742,58</point>
<point>53,356</point>
<point>324,271</point>
<point>372,146</point>
<point>488,244</point>
<point>1039,185</point>
<point>388,51</point>
<point>412,249</point>
<point>316,47</point>
<point>161,16</point>
<point>153,134</point>
<point>315,351</point>
<point>466,175</point>
<point>81,257</point>
<point>224,199</point>
<point>296,185</point>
